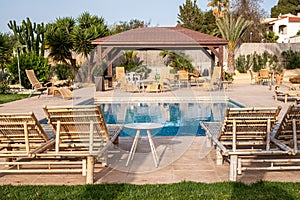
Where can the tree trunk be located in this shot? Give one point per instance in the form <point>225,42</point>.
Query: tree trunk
<point>230,60</point>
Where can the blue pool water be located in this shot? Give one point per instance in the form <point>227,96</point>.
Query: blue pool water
<point>178,119</point>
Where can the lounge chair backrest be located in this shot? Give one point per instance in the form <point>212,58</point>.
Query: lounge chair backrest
<point>21,132</point>
<point>80,128</point>
<point>250,124</point>
<point>253,75</point>
<point>216,75</point>
<point>33,79</point>
<point>120,73</point>
<point>286,127</point>
<point>183,75</point>
<point>264,73</point>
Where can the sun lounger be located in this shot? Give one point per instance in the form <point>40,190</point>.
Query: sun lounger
<point>246,133</point>
<point>65,92</point>
<point>289,129</point>
<point>36,85</point>
<point>21,135</point>
<point>81,131</point>
<point>183,78</point>
<point>26,148</point>
<point>215,81</point>
<point>290,92</point>
<point>154,87</point>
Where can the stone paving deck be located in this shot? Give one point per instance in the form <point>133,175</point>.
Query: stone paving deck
<point>195,163</point>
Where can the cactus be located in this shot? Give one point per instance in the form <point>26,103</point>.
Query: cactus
<point>31,35</point>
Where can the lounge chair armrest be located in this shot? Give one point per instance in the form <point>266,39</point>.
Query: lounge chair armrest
<point>220,145</point>
<point>43,147</point>
<point>48,83</point>
<point>281,145</point>
<point>33,85</point>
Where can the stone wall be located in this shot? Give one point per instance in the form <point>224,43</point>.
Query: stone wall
<point>273,48</point>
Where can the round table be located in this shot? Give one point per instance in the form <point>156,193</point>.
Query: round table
<point>139,127</point>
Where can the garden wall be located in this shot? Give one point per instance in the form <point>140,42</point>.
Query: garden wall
<point>273,48</point>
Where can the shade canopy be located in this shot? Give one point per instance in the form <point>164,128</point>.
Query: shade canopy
<point>159,38</point>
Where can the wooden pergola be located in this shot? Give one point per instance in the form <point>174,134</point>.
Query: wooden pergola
<point>158,38</point>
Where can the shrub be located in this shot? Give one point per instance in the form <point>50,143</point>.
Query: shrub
<point>63,72</point>
<point>4,82</point>
<point>291,59</point>
<point>256,62</point>
<point>29,61</point>
<point>228,77</point>
<point>242,63</point>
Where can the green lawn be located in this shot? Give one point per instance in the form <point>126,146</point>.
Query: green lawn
<point>5,98</point>
<point>183,190</point>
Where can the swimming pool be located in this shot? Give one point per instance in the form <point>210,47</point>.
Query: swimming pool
<point>178,119</point>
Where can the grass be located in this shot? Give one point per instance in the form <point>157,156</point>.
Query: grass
<point>183,190</point>
<point>5,98</point>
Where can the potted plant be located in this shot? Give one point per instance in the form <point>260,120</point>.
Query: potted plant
<point>98,74</point>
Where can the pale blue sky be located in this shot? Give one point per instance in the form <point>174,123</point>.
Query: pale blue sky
<point>158,12</point>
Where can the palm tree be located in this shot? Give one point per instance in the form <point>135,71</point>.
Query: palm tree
<point>232,30</point>
<point>65,36</point>
<point>177,60</point>
<point>89,28</point>
<point>219,7</point>
<point>130,60</point>
<point>58,39</point>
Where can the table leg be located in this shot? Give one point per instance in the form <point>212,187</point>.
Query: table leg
<point>133,148</point>
<point>155,157</point>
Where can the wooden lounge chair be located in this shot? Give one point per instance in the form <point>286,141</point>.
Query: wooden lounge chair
<point>120,75</point>
<point>36,85</point>
<point>81,131</point>
<point>65,92</point>
<point>21,135</point>
<point>264,76</point>
<point>246,132</point>
<point>289,129</point>
<point>154,87</point>
<point>254,77</point>
<point>215,81</point>
<point>279,77</point>
<point>25,147</point>
<point>290,92</point>
<point>183,77</point>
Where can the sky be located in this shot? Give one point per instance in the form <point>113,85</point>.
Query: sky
<point>158,12</point>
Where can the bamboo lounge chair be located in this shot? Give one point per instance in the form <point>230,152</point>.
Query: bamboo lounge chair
<point>27,149</point>
<point>286,92</point>
<point>246,132</point>
<point>36,85</point>
<point>81,131</point>
<point>120,75</point>
<point>215,81</point>
<point>183,77</point>
<point>65,92</point>
<point>289,129</point>
<point>22,141</point>
<point>21,135</point>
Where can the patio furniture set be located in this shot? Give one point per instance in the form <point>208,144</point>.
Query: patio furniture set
<point>267,77</point>
<point>134,82</point>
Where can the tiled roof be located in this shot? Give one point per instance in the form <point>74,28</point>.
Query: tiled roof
<point>161,36</point>
<point>294,19</point>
